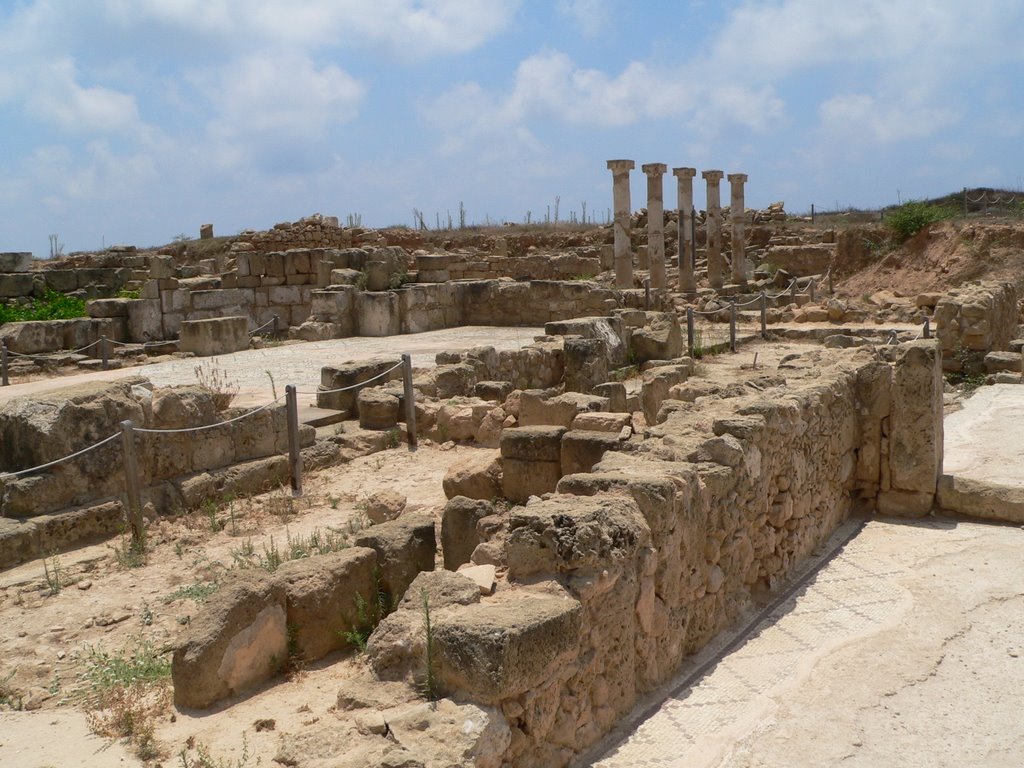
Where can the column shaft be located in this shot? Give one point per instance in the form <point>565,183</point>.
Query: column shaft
<point>656,223</point>
<point>737,217</point>
<point>622,226</point>
<point>714,228</point>
<point>684,191</point>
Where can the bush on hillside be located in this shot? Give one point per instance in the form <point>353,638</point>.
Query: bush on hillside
<point>908,219</point>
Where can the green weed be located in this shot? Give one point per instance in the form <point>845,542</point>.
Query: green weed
<point>199,592</point>
<point>52,306</point>
<point>908,219</point>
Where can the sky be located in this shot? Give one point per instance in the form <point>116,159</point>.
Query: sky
<point>134,121</point>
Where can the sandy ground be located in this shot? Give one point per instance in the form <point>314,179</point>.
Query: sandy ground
<point>46,639</point>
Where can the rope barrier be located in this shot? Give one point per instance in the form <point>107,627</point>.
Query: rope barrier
<point>76,454</point>
<point>352,386</point>
<point>271,321</point>
<point>183,430</point>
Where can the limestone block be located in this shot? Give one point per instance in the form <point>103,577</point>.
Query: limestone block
<point>218,298</point>
<point>377,409</point>
<point>459,535</point>
<point>802,260</point>
<point>915,444</point>
<point>532,443</point>
<point>15,261</point>
<point>377,314</point>
<point>382,506</point>
<point>238,639</point>
<point>446,733</point>
<point>659,339</point>
<point>107,308</point>
<point>284,294</point>
<point>161,267</point>
<point>601,422</point>
<point>615,392</point>
<point>575,533</point>
<point>476,476</point>
<point>404,548</point>
<point>496,650</point>
<point>905,503</point>
<point>656,385</point>
<point>585,364</point>
<point>1003,361</point>
<point>977,498</point>
<point>15,284</point>
<point>320,597</point>
<point>32,336</point>
<point>581,450</point>
<point>347,375</point>
<point>61,280</point>
<point>495,391</point>
<point>216,336</point>
<point>448,381</point>
<point>536,409</point>
<point>144,321</point>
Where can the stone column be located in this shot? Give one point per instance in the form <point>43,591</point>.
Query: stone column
<point>656,223</point>
<point>620,202</point>
<point>737,217</point>
<point>684,190</point>
<point>714,228</point>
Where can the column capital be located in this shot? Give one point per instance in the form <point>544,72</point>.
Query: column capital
<point>737,178</point>
<point>712,175</point>
<point>684,173</point>
<point>621,166</point>
<point>654,169</point>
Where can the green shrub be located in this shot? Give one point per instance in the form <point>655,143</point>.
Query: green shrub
<point>52,306</point>
<point>908,219</point>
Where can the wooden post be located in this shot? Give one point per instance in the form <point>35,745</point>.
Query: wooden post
<point>813,289</point>
<point>764,315</point>
<point>792,291</point>
<point>132,486</point>
<point>812,213</point>
<point>830,291</point>
<point>732,326</point>
<point>689,330</point>
<point>4,380</point>
<point>927,332</point>
<point>965,201</point>
<point>409,395</point>
<point>104,352</point>
<point>277,321</point>
<point>294,454</point>
<point>647,294</point>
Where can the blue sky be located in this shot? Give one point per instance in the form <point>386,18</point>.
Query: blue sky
<point>130,121</point>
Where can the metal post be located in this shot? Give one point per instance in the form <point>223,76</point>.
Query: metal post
<point>965,201</point>
<point>277,321</point>
<point>4,380</point>
<point>812,213</point>
<point>813,289</point>
<point>764,315</point>
<point>294,454</point>
<point>792,291</point>
<point>104,352</point>
<point>131,485</point>
<point>647,294</point>
<point>927,332</point>
<point>732,326</point>
<point>410,400</point>
<point>689,330</point>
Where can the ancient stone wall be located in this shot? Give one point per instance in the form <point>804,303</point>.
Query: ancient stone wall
<point>45,428</point>
<point>975,319</point>
<point>632,567</point>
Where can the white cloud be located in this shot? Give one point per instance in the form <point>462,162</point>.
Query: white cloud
<point>863,117</point>
<point>55,95</point>
<point>413,28</point>
<point>276,105</point>
<point>590,16</point>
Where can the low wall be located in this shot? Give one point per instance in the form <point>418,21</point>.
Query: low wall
<point>627,570</point>
<point>43,428</point>
<point>973,320</point>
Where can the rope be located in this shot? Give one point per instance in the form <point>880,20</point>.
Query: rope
<point>271,321</point>
<point>183,430</point>
<point>352,386</point>
<point>92,447</point>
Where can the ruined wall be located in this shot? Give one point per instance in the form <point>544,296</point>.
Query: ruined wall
<point>44,428</point>
<point>975,319</point>
<point>627,570</point>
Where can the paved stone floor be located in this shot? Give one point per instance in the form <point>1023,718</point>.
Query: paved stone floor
<point>984,440</point>
<point>740,711</point>
<point>298,364</point>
